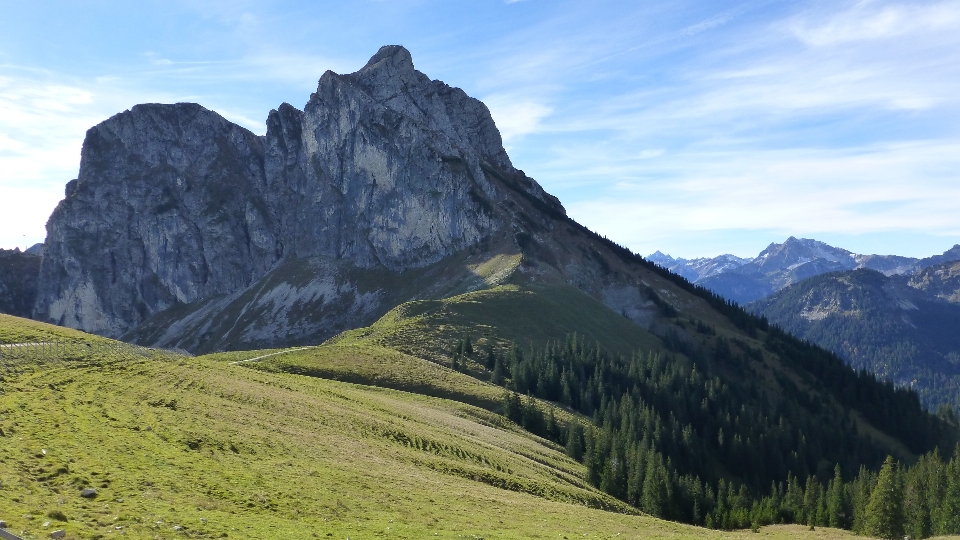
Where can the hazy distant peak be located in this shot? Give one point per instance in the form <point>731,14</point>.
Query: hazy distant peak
<point>662,258</point>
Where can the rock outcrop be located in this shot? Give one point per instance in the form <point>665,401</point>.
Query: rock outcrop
<point>18,280</point>
<point>175,206</point>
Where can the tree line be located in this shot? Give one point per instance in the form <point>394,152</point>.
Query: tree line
<point>671,437</point>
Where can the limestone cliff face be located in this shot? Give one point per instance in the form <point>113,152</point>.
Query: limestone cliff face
<point>168,208</point>
<point>384,168</point>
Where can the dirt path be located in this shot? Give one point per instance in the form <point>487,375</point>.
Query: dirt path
<point>272,354</point>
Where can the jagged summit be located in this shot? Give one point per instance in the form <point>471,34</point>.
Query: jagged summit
<point>395,58</point>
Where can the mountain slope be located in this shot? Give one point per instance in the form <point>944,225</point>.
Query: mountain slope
<point>901,327</point>
<point>772,384</point>
<point>201,448</point>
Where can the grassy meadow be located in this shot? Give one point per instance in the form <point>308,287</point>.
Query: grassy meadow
<point>183,447</point>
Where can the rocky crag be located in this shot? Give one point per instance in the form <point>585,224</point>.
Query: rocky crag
<point>186,230</point>
<point>18,280</point>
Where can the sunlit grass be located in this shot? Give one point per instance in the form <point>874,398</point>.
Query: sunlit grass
<point>181,447</point>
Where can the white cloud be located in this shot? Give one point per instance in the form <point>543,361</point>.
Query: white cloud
<point>870,21</point>
<point>806,191</point>
<point>516,117</point>
<point>43,120</point>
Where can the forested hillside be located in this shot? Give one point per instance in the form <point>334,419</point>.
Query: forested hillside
<point>903,328</point>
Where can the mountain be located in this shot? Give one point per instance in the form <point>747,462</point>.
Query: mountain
<point>780,265</point>
<point>952,254</point>
<point>696,269</point>
<point>386,221</point>
<point>341,211</point>
<point>18,280</point>
<point>902,327</point>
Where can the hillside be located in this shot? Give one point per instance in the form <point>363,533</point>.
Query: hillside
<point>756,392</point>
<point>201,448</point>
<point>901,327</point>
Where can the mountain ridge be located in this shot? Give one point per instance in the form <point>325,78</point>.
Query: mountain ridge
<point>901,327</point>
<point>745,280</point>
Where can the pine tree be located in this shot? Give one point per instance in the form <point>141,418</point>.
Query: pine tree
<point>655,498</point>
<point>498,376</point>
<point>793,501</point>
<point>551,430</point>
<point>575,442</point>
<point>950,508</point>
<point>839,507</point>
<point>811,498</point>
<point>885,517</point>
<point>916,499</point>
<point>491,359</point>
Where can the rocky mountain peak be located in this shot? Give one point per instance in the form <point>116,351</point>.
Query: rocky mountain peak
<point>394,59</point>
<point>384,168</point>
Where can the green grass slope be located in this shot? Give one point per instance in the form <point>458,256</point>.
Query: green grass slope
<point>19,330</point>
<point>180,447</point>
<point>371,365</point>
<point>496,317</point>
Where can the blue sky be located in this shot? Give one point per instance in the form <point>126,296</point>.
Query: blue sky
<point>695,128</point>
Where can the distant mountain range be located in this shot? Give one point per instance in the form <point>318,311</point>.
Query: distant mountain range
<point>897,317</point>
<point>780,265</point>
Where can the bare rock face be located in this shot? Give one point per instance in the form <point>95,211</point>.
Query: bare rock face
<point>383,169</point>
<point>168,208</point>
<point>18,281</point>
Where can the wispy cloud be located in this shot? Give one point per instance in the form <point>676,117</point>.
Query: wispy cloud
<point>515,115</point>
<point>42,122</point>
<point>799,191</point>
<point>871,21</point>
<point>658,123</point>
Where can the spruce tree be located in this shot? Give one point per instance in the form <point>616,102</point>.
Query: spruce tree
<point>839,507</point>
<point>655,495</point>
<point>497,377</point>
<point>811,498</point>
<point>916,500</point>
<point>885,517</point>
<point>491,359</point>
<point>950,507</point>
<point>575,442</point>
